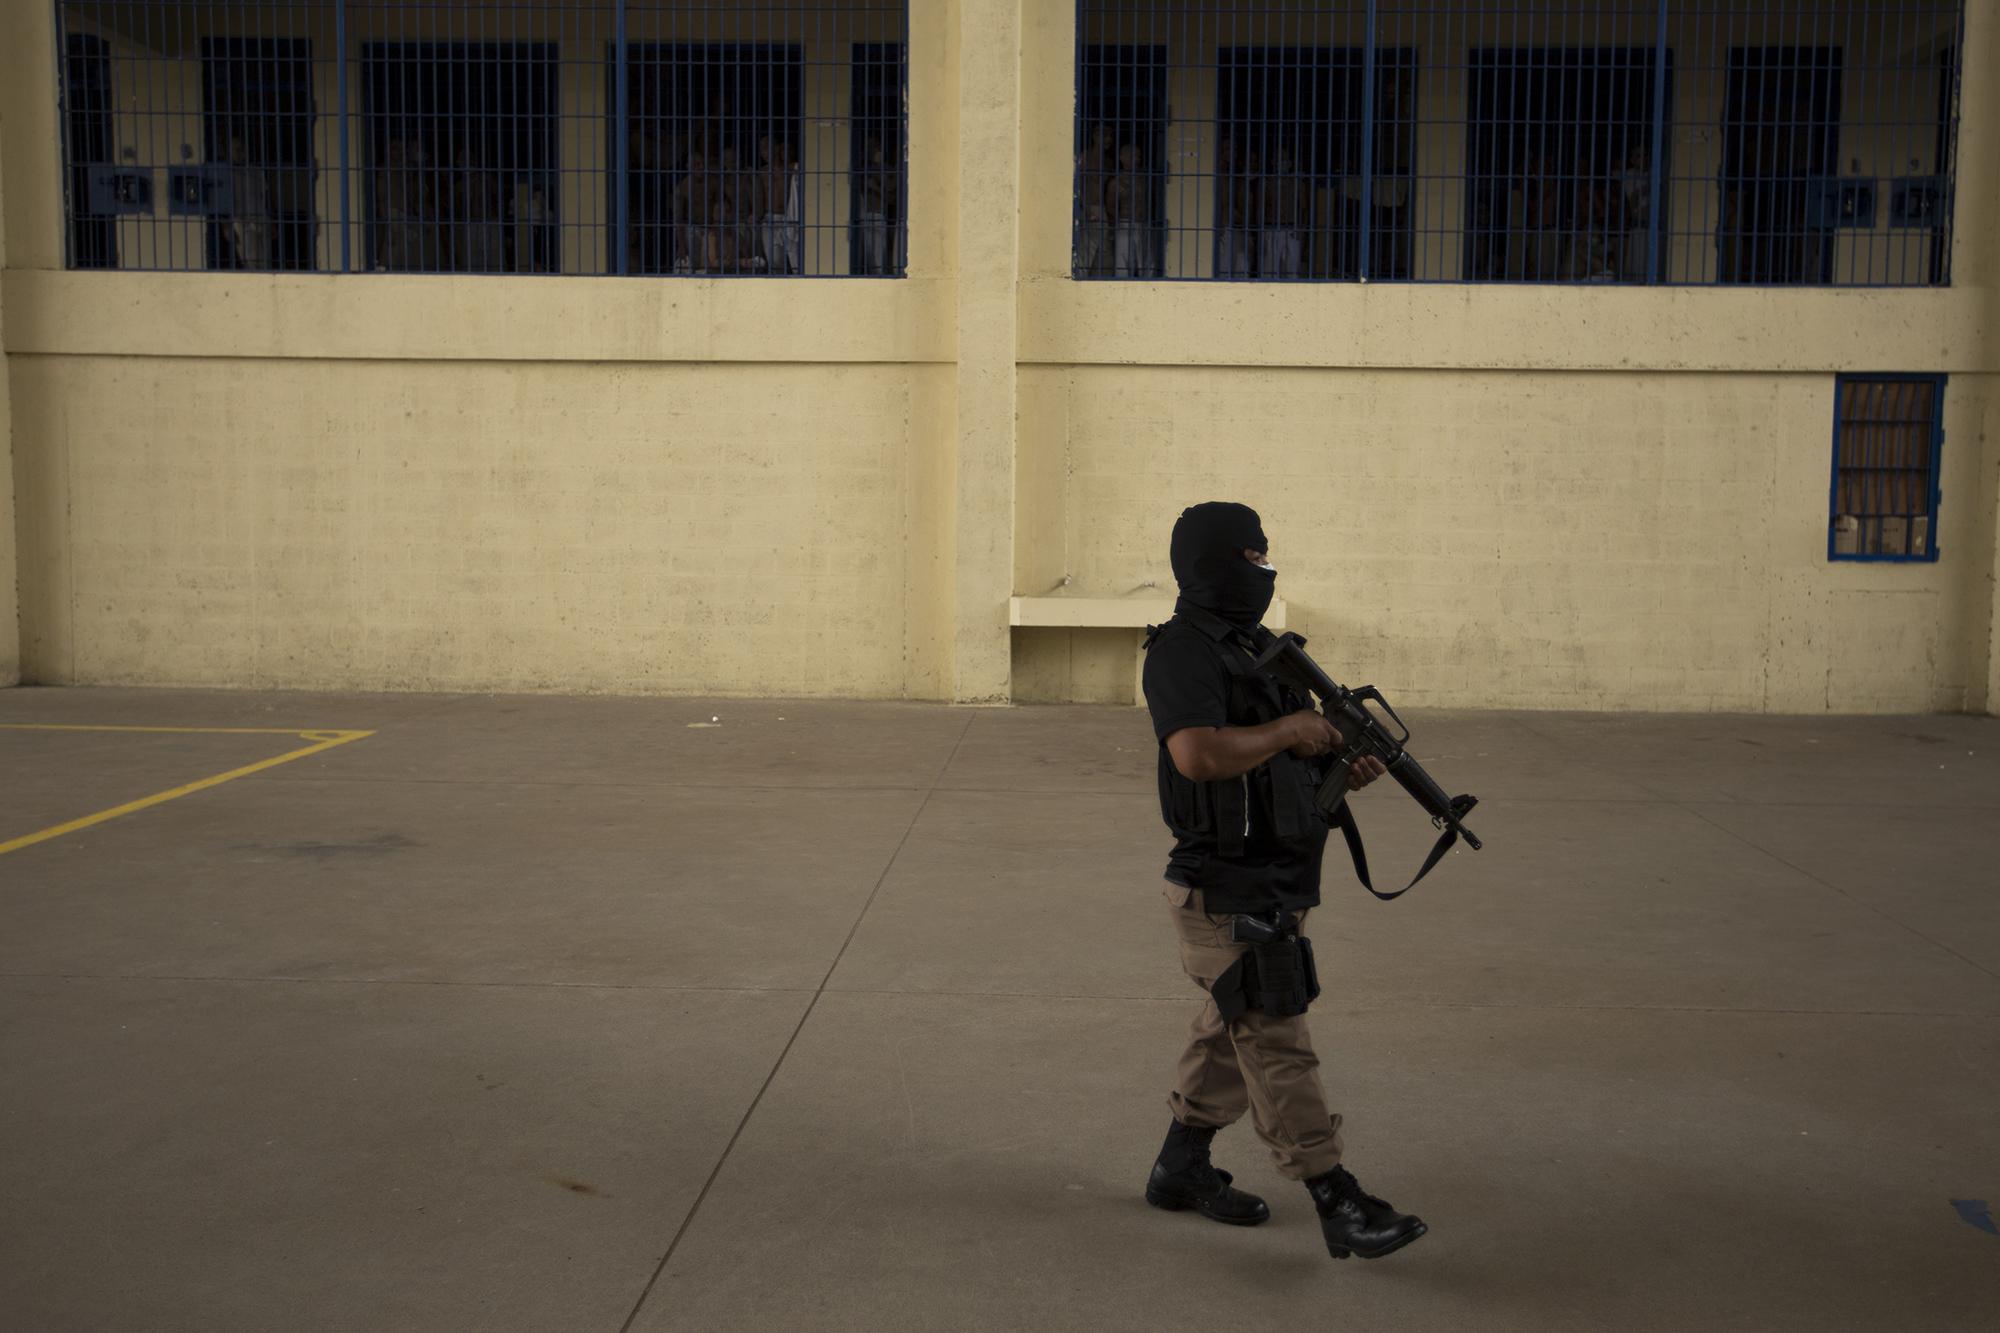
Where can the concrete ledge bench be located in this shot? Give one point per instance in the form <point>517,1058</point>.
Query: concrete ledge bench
<point>1079,611</point>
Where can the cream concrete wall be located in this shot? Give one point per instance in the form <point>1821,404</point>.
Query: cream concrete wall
<point>1993,574</point>
<point>1529,497</point>
<point>1549,497</point>
<point>1531,539</point>
<point>10,608</point>
<point>388,526</point>
<point>684,486</point>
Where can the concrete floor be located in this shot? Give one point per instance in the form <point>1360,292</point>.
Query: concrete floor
<point>860,1016</point>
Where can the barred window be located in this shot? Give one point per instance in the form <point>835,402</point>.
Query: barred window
<point>462,142</point>
<point>646,137</point>
<point>1888,435</point>
<point>1626,142</point>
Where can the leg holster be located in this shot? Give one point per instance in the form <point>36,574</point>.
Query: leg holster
<point>1275,975</point>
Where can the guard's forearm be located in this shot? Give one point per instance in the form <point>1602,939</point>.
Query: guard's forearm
<point>1230,752</point>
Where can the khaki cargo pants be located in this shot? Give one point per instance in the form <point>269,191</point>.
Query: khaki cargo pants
<point>1261,1064</point>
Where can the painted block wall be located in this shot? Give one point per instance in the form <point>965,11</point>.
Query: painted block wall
<point>1114,373</point>
<point>378,525</point>
<point>463,482</point>
<point>1992,589</point>
<point>1525,540</point>
<point>10,619</point>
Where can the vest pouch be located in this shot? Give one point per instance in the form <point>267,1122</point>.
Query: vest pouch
<point>1295,818</point>
<point>1284,789</point>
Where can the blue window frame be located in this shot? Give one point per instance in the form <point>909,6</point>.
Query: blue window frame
<point>1888,438</point>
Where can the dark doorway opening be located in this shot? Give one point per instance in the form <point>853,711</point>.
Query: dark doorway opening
<point>702,110</point>
<point>463,154</point>
<point>1780,155</point>
<point>1944,163</point>
<point>93,237</point>
<point>1123,193</point>
<point>257,117</point>
<point>878,237</point>
<point>1289,129</point>
<point>1559,163</point>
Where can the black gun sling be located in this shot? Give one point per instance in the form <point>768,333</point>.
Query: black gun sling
<point>1343,819</point>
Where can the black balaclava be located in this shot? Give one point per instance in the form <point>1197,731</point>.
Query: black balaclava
<point>1208,545</point>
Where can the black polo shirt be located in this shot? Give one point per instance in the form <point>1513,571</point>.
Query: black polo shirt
<point>1187,684</point>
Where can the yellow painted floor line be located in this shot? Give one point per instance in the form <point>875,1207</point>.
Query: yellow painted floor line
<point>181,731</point>
<point>321,741</point>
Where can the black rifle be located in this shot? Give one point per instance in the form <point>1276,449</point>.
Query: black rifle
<point>1364,735</point>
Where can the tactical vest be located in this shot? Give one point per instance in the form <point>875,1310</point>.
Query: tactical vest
<point>1276,798</point>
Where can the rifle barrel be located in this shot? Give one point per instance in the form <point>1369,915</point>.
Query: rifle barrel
<point>1419,784</point>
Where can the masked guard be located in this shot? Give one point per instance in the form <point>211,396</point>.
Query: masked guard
<point>1237,778</point>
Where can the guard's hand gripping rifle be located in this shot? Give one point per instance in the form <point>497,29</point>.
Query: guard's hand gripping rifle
<point>1363,734</point>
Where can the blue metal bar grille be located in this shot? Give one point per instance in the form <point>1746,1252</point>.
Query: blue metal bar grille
<point>1621,141</point>
<point>1888,434</point>
<point>648,137</point>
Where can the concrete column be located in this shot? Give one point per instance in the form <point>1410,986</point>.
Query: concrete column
<point>10,602</point>
<point>30,237</point>
<point>1989,569</point>
<point>989,207</point>
<point>33,139</point>
<point>1992,570</point>
<point>929,551</point>
<point>1975,264</point>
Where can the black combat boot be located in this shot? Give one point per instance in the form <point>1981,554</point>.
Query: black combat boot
<point>1183,1177</point>
<point>1355,1222</point>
